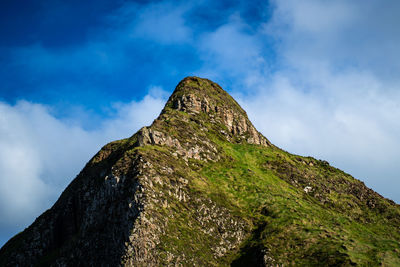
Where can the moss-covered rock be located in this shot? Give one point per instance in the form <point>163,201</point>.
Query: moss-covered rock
<point>202,187</point>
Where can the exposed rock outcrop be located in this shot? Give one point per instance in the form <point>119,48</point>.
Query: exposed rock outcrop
<point>110,214</point>
<point>196,96</point>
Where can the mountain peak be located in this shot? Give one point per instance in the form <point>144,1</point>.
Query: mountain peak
<point>194,94</point>
<point>207,101</point>
<point>202,187</point>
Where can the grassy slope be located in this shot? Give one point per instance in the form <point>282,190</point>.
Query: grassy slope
<point>340,222</point>
<point>329,225</point>
<point>296,228</point>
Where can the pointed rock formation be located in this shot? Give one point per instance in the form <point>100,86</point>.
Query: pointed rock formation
<point>202,187</point>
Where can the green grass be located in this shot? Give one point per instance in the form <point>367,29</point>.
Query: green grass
<point>334,224</point>
<point>340,222</point>
<point>296,227</point>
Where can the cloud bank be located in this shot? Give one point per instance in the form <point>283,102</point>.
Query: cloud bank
<point>336,93</point>
<point>40,154</point>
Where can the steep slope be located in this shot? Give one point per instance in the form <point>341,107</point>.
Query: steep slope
<point>201,186</point>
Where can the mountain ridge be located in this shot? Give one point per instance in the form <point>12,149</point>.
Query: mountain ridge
<point>201,186</point>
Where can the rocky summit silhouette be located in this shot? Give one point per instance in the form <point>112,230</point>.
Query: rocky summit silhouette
<point>202,187</point>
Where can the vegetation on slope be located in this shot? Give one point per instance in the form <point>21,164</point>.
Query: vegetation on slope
<point>293,226</point>
<point>302,211</point>
<point>337,222</point>
<point>211,191</point>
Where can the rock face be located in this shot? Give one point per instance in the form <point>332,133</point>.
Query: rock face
<point>202,187</point>
<point>196,96</point>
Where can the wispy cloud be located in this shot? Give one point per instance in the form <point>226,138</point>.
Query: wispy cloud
<point>342,34</point>
<point>232,52</point>
<point>163,23</point>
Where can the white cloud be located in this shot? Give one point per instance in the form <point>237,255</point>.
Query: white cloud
<point>339,33</point>
<point>41,154</point>
<point>355,129</point>
<point>162,23</point>
<point>330,98</point>
<point>334,92</point>
<point>232,52</point>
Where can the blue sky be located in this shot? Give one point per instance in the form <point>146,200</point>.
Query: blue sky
<point>87,55</point>
<point>316,77</point>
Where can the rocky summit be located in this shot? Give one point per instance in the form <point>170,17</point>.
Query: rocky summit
<point>202,187</point>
